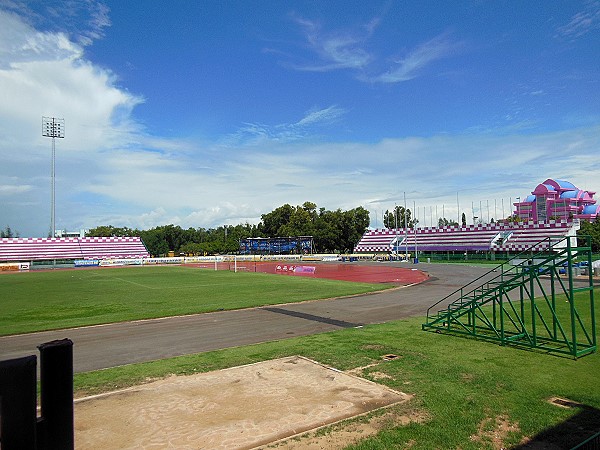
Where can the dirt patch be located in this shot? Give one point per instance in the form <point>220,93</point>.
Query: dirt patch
<point>241,407</point>
<point>348,433</point>
<point>358,371</point>
<point>380,376</point>
<point>372,347</point>
<point>375,375</point>
<point>494,431</point>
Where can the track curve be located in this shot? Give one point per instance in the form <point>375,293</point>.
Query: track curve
<point>111,345</point>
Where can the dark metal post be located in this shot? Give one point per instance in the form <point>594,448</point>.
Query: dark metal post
<point>56,380</point>
<point>588,244</point>
<point>18,404</point>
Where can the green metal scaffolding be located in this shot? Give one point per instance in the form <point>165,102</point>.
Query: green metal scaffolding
<point>535,300</point>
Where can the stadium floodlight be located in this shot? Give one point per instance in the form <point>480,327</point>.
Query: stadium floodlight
<point>53,128</point>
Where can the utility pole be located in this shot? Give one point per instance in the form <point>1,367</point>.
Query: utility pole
<point>405,231</point>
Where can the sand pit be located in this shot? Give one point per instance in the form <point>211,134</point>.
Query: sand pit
<point>242,407</point>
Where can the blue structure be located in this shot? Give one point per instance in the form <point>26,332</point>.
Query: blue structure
<point>280,245</point>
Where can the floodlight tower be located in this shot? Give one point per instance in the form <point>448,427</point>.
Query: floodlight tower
<point>53,128</point>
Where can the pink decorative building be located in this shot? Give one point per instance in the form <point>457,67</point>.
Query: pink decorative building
<point>557,199</point>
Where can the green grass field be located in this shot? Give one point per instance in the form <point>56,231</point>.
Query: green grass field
<point>470,394</point>
<point>70,298</point>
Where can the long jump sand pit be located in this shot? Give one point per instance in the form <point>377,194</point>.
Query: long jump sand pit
<point>241,407</point>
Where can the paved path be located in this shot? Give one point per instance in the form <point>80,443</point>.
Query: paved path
<point>112,345</point>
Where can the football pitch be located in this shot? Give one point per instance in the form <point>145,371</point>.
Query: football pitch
<point>59,299</point>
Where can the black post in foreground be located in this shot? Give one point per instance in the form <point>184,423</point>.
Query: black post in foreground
<point>18,404</point>
<point>55,427</point>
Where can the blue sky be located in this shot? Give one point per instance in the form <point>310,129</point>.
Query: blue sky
<point>207,113</point>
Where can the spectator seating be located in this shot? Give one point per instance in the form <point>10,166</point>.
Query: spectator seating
<point>37,249</point>
<point>499,237</point>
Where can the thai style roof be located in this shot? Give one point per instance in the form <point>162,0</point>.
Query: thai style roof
<point>565,184</point>
<point>570,194</point>
<point>591,209</point>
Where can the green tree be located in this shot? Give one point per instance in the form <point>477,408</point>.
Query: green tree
<point>6,233</point>
<point>273,221</point>
<point>301,223</point>
<point>443,222</point>
<point>354,225</point>
<point>174,236</point>
<point>398,218</point>
<point>155,242</point>
<point>192,248</point>
<point>328,231</point>
<point>590,229</point>
<point>109,231</point>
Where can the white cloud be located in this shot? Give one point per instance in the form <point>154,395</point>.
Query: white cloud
<point>583,22</point>
<point>416,60</point>
<point>320,116</point>
<point>19,42</point>
<point>346,175</point>
<point>336,50</point>
<point>264,134</point>
<point>348,50</point>
<point>9,190</point>
<point>82,21</point>
<point>49,71</point>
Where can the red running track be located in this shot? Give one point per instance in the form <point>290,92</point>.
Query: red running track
<point>345,272</point>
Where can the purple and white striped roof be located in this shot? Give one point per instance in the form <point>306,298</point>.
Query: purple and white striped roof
<point>36,249</point>
<point>483,237</point>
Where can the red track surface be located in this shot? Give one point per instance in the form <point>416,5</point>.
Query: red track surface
<point>345,272</point>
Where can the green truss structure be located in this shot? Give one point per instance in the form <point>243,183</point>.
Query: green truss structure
<point>535,300</point>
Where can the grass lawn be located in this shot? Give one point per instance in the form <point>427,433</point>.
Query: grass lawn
<point>471,394</point>
<point>39,301</point>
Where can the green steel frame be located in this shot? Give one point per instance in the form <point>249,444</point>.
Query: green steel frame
<point>526,302</point>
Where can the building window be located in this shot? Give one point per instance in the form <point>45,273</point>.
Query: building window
<point>542,213</point>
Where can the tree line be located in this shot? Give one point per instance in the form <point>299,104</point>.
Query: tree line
<point>333,231</point>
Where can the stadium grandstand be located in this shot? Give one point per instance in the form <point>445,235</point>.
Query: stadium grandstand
<point>84,248</point>
<point>496,237</point>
